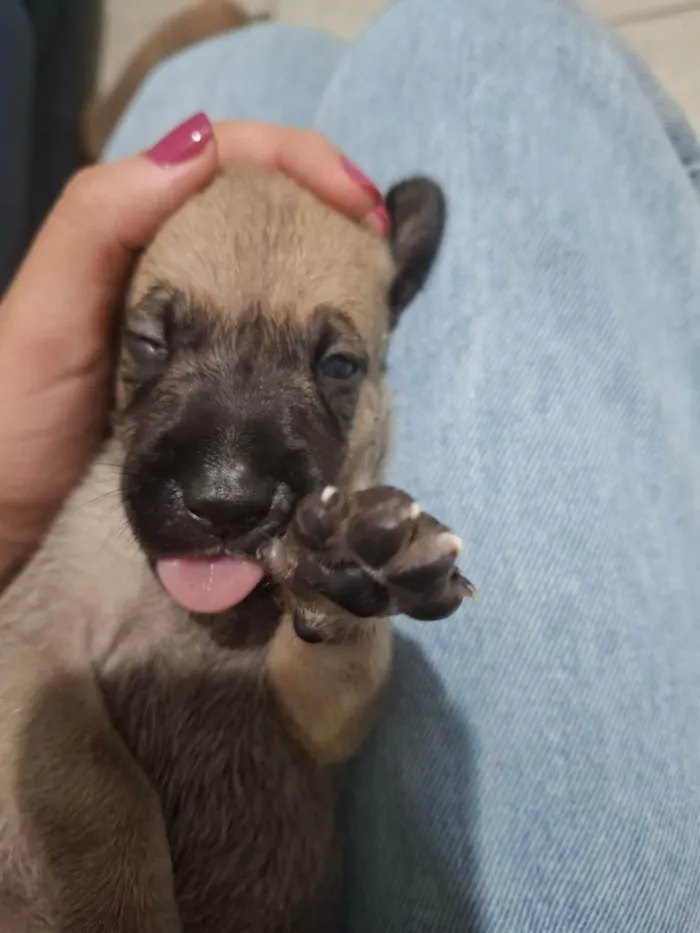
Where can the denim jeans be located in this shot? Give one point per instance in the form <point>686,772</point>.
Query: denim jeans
<point>537,763</point>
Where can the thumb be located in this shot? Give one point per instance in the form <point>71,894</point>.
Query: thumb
<point>57,311</point>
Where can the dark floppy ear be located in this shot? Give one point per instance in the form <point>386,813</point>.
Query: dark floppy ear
<point>417,211</point>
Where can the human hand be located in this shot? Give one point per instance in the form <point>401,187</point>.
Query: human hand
<point>56,317</point>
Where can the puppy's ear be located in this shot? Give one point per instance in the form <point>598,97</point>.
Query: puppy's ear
<point>417,211</point>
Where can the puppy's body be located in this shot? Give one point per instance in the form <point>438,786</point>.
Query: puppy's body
<point>248,812</point>
<point>167,771</point>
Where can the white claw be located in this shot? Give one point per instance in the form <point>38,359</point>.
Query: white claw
<point>451,542</point>
<point>471,591</point>
<point>414,511</point>
<point>328,494</point>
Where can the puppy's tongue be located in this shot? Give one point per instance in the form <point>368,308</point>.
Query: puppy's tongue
<point>209,584</point>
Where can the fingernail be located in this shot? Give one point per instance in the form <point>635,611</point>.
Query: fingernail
<point>183,143</point>
<point>379,220</point>
<point>362,180</point>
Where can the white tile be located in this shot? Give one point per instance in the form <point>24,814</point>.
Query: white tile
<point>671,47</point>
<point>616,10</point>
<point>344,18</point>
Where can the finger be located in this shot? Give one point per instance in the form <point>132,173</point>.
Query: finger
<point>310,159</point>
<point>62,297</point>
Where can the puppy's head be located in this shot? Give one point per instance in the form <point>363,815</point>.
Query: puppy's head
<point>252,357</point>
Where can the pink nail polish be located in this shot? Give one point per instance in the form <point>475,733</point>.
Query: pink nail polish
<point>362,180</point>
<point>380,221</point>
<point>184,142</point>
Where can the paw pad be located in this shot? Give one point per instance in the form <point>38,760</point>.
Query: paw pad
<point>374,553</point>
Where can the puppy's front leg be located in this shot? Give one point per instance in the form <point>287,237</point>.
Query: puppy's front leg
<point>346,564</point>
<point>92,822</point>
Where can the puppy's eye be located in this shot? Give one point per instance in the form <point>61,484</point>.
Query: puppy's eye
<point>144,347</point>
<point>338,366</point>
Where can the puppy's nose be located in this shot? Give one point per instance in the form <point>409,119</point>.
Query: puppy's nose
<point>231,502</point>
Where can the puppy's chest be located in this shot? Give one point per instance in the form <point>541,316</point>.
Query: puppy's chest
<point>249,816</point>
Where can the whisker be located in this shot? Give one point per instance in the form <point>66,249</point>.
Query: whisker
<point>100,498</point>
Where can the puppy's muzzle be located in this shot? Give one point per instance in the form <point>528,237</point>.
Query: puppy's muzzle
<point>236,504</point>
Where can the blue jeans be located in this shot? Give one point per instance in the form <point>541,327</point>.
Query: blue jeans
<point>537,765</point>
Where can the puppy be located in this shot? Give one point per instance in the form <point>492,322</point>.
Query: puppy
<point>173,771</point>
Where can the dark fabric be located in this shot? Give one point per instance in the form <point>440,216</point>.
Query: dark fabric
<point>16,101</point>
<point>48,55</point>
<point>66,39</point>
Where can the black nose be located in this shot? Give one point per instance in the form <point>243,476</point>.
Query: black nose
<point>231,501</point>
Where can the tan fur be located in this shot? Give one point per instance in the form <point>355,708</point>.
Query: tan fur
<point>79,822</point>
<point>328,691</point>
<point>264,239</point>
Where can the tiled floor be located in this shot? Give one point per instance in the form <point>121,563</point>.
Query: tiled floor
<point>665,32</point>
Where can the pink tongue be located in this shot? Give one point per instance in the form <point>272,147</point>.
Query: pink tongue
<point>209,584</point>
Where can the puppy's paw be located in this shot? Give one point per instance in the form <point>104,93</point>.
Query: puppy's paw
<point>370,554</point>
